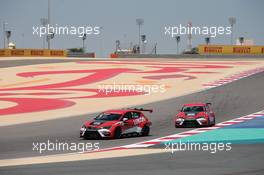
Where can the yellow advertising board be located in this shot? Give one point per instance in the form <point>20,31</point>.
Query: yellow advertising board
<point>230,50</point>
<point>32,53</point>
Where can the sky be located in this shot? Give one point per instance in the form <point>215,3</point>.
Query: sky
<point>118,21</point>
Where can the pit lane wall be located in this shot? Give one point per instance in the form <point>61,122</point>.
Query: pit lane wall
<point>32,53</point>
<point>230,50</point>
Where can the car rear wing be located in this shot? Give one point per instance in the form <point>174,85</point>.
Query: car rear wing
<point>208,103</point>
<point>142,109</point>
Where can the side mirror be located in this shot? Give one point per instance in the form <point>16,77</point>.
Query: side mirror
<point>125,119</point>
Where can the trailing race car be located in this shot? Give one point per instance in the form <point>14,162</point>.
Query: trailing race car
<point>195,115</point>
<point>117,123</point>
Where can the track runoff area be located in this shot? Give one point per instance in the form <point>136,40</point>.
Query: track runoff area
<point>232,86</point>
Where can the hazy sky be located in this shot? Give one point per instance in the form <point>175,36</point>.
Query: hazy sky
<point>117,17</point>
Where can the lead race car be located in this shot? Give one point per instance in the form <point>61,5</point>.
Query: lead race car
<point>195,115</point>
<point>117,123</point>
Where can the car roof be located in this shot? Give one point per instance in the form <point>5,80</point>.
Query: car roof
<point>195,104</point>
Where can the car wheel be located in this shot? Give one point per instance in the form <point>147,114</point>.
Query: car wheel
<point>209,123</point>
<point>213,122</point>
<point>145,131</point>
<point>118,133</point>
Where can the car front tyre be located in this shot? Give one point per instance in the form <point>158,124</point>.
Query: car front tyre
<point>118,133</point>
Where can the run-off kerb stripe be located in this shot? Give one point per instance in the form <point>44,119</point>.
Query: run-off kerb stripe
<point>234,77</point>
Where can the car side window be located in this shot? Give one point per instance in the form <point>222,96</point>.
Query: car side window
<point>128,115</point>
<point>135,115</point>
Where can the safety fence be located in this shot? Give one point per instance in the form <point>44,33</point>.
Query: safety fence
<point>32,53</point>
<point>230,50</point>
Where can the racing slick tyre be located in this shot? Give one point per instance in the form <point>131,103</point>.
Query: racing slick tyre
<point>118,133</point>
<point>145,131</point>
<point>209,124</point>
<point>213,122</point>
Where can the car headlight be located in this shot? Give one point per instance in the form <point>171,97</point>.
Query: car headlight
<point>202,118</point>
<point>106,127</point>
<point>179,119</point>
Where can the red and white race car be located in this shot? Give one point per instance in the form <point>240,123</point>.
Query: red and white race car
<point>117,123</point>
<point>195,115</point>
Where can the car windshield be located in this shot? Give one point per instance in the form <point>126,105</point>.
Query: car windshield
<point>108,116</point>
<point>192,109</point>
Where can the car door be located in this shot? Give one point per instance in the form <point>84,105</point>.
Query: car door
<point>139,121</point>
<point>128,123</point>
<point>138,118</point>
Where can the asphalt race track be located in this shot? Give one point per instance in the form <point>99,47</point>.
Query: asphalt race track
<point>229,101</point>
<point>14,63</point>
<point>242,161</point>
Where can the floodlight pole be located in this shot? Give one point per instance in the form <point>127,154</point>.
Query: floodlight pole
<point>139,34</point>
<point>43,22</point>
<point>178,38</point>
<point>8,35</point>
<point>207,40</point>
<point>83,39</point>
<point>232,22</point>
<point>4,33</point>
<point>48,38</point>
<point>139,22</point>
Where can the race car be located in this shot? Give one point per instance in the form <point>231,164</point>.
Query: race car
<point>117,123</point>
<point>195,115</point>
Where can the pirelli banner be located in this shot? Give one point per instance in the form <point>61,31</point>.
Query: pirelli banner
<point>32,53</point>
<point>230,50</point>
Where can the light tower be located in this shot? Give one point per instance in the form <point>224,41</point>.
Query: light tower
<point>43,22</point>
<point>4,33</point>
<point>178,39</point>
<point>83,39</point>
<point>139,22</point>
<point>232,22</point>
<point>48,37</point>
<point>189,38</point>
<point>8,35</point>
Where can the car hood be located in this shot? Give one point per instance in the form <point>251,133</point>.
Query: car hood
<point>191,114</point>
<point>100,123</point>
